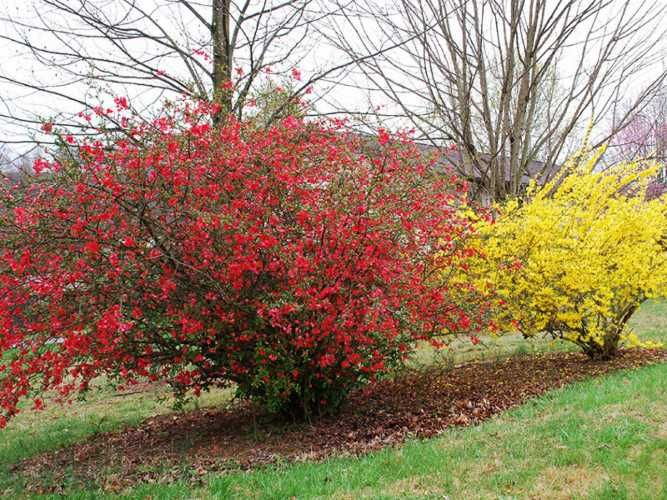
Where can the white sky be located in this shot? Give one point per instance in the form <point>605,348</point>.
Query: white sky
<point>17,63</point>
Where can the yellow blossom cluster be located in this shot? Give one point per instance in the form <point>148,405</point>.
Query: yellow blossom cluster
<point>578,256</point>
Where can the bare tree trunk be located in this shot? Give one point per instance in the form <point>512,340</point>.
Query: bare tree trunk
<point>222,55</point>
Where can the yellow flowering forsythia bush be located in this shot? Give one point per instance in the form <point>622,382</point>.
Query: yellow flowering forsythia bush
<point>578,257</point>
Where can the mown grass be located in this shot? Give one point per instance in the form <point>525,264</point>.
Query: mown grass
<point>650,322</point>
<point>604,438</point>
<point>32,432</point>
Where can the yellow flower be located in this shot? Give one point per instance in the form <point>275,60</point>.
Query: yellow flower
<point>578,257</point>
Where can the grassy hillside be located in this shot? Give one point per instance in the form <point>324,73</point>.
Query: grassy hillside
<point>603,438</point>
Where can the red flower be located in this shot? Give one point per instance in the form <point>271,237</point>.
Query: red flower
<point>383,137</point>
<point>280,260</point>
<point>121,103</point>
<point>92,247</point>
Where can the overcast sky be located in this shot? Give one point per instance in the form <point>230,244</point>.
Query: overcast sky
<point>350,92</point>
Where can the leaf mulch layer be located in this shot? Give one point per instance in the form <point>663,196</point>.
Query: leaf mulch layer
<point>414,404</point>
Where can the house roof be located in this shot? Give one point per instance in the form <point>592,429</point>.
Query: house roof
<point>534,170</point>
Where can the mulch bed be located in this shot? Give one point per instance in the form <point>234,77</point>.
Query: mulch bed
<point>415,404</point>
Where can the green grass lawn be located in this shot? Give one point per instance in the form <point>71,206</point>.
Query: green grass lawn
<point>603,438</point>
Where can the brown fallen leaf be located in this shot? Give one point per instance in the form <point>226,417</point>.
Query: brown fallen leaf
<point>415,404</point>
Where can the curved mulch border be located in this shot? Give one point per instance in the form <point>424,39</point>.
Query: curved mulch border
<point>416,404</point>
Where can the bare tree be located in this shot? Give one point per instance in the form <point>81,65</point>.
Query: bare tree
<point>508,82</point>
<point>157,48</point>
<point>16,167</point>
<point>6,162</point>
<point>645,136</point>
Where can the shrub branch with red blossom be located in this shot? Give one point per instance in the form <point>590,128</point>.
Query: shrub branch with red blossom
<point>295,262</point>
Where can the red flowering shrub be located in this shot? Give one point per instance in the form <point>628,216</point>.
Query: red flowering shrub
<point>294,262</point>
